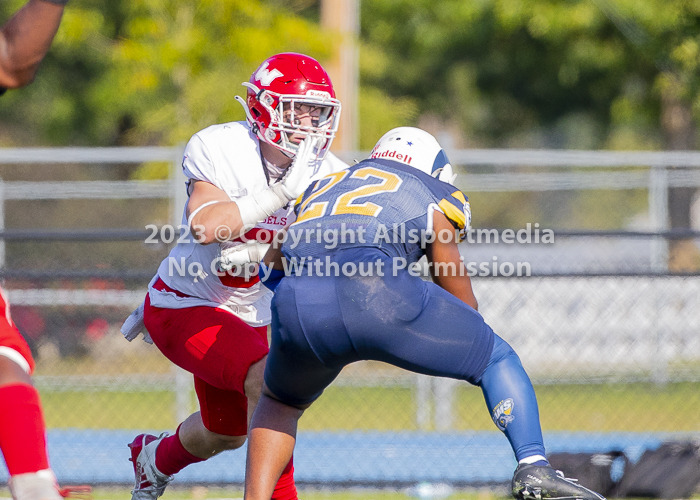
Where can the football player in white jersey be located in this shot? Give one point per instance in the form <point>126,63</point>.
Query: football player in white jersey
<point>205,309</point>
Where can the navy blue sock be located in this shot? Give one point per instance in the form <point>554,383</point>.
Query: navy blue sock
<point>511,401</point>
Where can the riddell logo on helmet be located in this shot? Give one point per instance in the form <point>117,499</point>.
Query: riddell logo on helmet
<point>393,154</point>
<point>318,93</point>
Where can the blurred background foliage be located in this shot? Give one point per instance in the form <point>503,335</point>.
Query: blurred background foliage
<point>152,72</point>
<point>583,74</point>
<point>576,74</point>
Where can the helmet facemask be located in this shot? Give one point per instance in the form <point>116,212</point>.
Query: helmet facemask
<point>292,118</point>
<point>442,169</point>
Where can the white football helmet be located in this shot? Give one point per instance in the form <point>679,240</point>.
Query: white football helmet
<point>417,148</point>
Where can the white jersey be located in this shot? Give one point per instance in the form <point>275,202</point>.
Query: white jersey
<point>227,156</point>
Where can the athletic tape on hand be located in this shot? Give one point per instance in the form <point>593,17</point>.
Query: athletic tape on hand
<point>241,254</point>
<point>259,206</point>
<point>298,176</point>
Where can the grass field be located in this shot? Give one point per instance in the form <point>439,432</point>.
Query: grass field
<point>605,407</point>
<point>222,493</point>
<point>361,403</point>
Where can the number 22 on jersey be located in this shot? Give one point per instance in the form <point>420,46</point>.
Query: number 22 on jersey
<point>345,201</point>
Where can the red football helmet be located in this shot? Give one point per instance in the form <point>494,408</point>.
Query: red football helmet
<point>285,87</point>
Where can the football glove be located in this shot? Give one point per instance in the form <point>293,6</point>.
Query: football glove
<point>257,207</point>
<point>238,254</point>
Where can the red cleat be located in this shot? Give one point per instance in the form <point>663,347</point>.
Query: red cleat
<point>150,483</point>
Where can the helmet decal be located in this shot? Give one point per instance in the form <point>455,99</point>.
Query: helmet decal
<point>267,76</point>
<point>416,148</point>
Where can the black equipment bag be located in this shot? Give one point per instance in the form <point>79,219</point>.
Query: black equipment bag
<point>595,471</point>
<point>670,471</point>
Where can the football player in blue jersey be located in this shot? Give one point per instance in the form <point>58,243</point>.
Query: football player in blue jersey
<point>354,297</point>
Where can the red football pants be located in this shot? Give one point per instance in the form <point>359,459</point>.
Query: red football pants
<point>218,348</point>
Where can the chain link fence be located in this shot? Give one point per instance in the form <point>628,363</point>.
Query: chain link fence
<point>605,321</point>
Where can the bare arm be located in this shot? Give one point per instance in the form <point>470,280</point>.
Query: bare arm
<point>457,283</point>
<point>223,216</point>
<point>24,41</point>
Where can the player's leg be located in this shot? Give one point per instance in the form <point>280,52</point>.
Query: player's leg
<point>185,336</point>
<point>222,424</point>
<point>22,429</point>
<point>294,377</point>
<point>219,425</point>
<point>511,400</point>
<point>272,438</point>
<point>23,436</point>
<point>432,332</point>
<point>198,442</point>
<point>219,349</point>
<point>285,487</point>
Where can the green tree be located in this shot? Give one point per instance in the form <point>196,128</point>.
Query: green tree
<point>153,71</point>
<point>504,68</point>
<point>180,64</point>
<point>513,73</point>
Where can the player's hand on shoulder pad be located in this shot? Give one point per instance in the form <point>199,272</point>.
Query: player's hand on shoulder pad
<point>299,173</point>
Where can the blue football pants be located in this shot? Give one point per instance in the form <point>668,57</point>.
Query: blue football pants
<point>322,323</point>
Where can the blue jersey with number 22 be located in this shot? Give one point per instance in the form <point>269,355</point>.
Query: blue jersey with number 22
<point>376,204</point>
<point>321,323</point>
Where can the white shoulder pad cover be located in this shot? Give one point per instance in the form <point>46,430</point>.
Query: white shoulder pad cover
<point>197,163</point>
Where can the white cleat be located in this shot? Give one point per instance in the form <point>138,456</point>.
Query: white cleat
<point>150,482</point>
<point>41,485</point>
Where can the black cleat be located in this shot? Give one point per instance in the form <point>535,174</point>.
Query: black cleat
<point>536,482</point>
